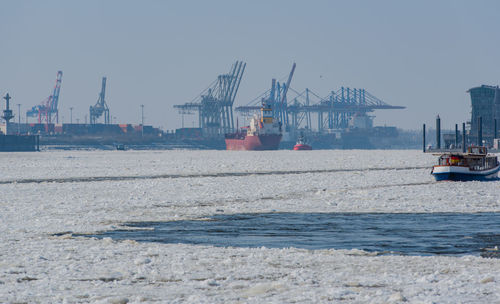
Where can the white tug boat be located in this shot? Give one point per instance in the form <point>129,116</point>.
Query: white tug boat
<point>476,164</point>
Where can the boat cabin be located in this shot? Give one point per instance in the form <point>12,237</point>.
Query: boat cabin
<point>476,159</point>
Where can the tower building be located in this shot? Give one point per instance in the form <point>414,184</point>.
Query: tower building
<point>485,101</point>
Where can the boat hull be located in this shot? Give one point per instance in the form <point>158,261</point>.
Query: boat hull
<point>302,147</point>
<point>254,143</point>
<point>456,173</point>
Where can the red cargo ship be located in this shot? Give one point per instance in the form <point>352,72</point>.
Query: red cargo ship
<point>263,133</point>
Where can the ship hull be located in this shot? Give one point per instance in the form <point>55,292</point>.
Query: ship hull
<point>302,147</point>
<point>456,173</point>
<point>253,143</point>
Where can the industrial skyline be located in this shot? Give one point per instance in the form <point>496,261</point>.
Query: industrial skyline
<point>423,56</point>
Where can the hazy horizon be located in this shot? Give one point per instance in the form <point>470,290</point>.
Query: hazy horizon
<point>422,55</point>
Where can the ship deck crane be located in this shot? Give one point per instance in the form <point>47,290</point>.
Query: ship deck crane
<point>100,107</point>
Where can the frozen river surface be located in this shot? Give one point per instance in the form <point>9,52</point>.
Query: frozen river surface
<point>48,197</point>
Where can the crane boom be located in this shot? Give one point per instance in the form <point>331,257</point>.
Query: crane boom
<point>283,96</point>
<point>103,89</point>
<point>238,84</point>
<point>55,94</point>
<point>234,84</point>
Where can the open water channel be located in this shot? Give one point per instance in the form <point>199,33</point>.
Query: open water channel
<point>389,233</point>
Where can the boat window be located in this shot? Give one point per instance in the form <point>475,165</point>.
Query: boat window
<point>444,160</point>
<point>477,150</point>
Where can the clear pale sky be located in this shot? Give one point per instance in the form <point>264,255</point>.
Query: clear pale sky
<point>423,55</point>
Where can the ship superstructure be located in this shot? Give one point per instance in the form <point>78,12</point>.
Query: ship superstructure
<point>263,133</point>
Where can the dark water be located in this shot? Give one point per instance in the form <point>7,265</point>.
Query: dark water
<point>397,233</point>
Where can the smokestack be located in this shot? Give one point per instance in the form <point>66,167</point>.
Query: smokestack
<point>456,136</point>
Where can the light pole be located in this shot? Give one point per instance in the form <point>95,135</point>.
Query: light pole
<point>70,115</point>
<point>142,120</point>
<point>19,118</point>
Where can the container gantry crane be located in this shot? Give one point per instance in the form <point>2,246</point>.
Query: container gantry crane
<point>48,107</point>
<point>276,96</point>
<point>100,107</point>
<point>332,112</point>
<point>215,104</point>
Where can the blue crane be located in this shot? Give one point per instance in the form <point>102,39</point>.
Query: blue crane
<point>100,107</point>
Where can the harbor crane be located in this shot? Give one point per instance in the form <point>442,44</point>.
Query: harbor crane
<point>47,108</point>
<point>215,104</point>
<point>276,96</point>
<point>282,105</point>
<point>100,107</point>
<point>335,110</point>
<point>332,112</point>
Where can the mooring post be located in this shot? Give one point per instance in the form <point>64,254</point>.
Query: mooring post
<point>495,130</point>
<point>423,138</point>
<point>479,131</point>
<point>438,132</point>
<point>463,137</point>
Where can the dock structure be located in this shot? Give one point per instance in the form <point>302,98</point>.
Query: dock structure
<point>19,143</point>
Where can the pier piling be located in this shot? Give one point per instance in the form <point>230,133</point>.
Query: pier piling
<point>495,129</point>
<point>463,137</point>
<point>480,131</point>
<point>423,138</point>
<point>438,132</point>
